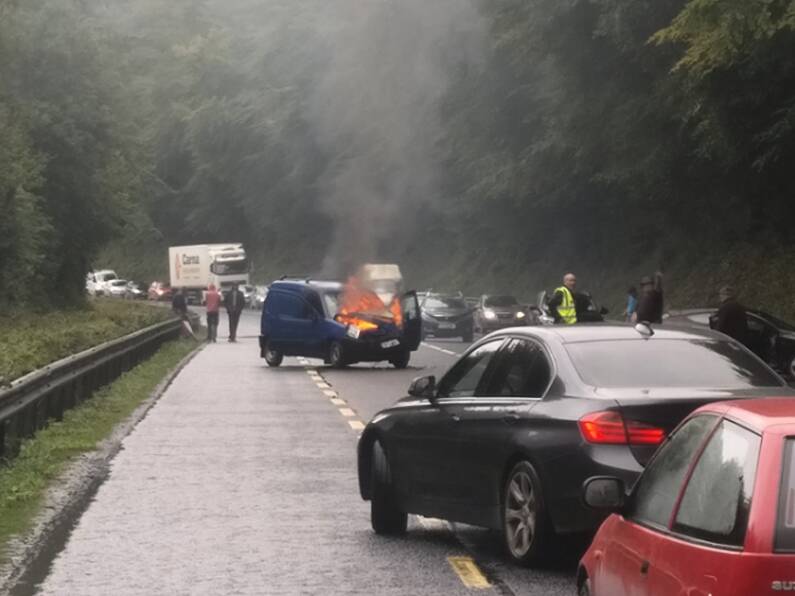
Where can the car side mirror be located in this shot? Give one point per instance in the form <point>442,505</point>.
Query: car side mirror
<point>603,311</point>
<point>423,387</point>
<point>604,492</point>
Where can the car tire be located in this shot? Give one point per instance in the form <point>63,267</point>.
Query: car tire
<point>401,361</point>
<point>584,589</point>
<point>385,515</point>
<point>272,357</point>
<point>524,519</point>
<point>336,355</point>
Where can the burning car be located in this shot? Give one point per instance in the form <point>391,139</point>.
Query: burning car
<point>340,323</point>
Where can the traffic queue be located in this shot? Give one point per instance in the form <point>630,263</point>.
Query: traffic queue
<point>669,440</point>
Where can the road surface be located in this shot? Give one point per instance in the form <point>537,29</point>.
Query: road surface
<point>242,480</point>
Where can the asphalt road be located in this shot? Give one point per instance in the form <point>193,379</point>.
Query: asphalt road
<point>242,480</point>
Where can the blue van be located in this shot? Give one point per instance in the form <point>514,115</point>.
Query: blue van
<point>301,318</point>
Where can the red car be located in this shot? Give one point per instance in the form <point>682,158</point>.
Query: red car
<point>159,291</point>
<point>712,513</point>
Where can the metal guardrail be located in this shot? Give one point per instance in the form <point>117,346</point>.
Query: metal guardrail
<point>31,401</point>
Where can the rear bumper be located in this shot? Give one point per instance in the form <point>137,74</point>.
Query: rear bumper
<point>367,349</point>
<point>563,490</point>
<point>459,329</point>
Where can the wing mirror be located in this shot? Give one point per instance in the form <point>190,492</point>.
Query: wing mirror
<point>604,492</point>
<point>604,311</point>
<point>423,387</point>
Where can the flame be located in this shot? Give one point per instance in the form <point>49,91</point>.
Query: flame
<point>358,301</point>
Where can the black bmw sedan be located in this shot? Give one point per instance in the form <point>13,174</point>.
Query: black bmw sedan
<point>509,434</point>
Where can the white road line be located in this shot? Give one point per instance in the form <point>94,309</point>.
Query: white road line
<point>338,402</point>
<point>323,385</point>
<point>356,424</point>
<point>347,412</point>
<point>330,393</point>
<point>442,350</point>
<point>311,371</point>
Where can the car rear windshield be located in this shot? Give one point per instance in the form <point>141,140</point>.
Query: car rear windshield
<point>709,364</point>
<point>785,527</point>
<point>501,301</point>
<point>441,302</point>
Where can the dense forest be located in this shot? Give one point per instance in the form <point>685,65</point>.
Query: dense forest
<point>481,144</point>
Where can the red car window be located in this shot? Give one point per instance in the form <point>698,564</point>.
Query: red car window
<point>785,527</point>
<point>660,485</point>
<point>717,500</point>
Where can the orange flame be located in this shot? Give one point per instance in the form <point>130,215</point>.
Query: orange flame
<point>358,300</point>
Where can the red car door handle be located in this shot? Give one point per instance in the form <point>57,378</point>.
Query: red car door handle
<point>644,567</point>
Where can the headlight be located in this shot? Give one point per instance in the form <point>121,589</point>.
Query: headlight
<point>489,314</point>
<point>352,331</point>
<point>520,315</point>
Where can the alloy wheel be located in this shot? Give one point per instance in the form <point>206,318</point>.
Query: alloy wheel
<point>521,514</point>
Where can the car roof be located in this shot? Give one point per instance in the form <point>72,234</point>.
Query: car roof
<point>758,413</point>
<point>304,285</point>
<point>611,332</point>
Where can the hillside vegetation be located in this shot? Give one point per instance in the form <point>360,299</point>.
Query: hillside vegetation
<point>483,145</point>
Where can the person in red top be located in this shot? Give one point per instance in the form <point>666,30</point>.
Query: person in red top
<point>213,303</point>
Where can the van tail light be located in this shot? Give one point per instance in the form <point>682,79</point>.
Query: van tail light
<point>609,428</point>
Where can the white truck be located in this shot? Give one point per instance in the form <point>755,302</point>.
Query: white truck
<point>193,268</point>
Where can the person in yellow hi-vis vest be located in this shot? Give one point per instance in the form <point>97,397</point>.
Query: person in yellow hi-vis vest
<point>561,305</point>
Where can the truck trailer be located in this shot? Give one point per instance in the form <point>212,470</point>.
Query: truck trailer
<point>193,268</point>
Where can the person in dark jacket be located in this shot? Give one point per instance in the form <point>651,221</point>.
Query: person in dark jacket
<point>650,302</point>
<point>179,305</point>
<point>234,302</point>
<point>731,317</point>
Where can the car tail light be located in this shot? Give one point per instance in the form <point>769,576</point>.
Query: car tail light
<point>610,428</point>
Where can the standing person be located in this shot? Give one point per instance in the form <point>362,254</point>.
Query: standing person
<point>213,303</point>
<point>731,317</point>
<point>234,302</point>
<point>561,305</point>
<point>179,305</point>
<point>650,302</point>
<point>632,303</point>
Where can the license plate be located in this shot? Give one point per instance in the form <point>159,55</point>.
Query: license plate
<point>390,344</point>
<point>446,325</point>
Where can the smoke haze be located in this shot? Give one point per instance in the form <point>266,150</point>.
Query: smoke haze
<point>376,112</point>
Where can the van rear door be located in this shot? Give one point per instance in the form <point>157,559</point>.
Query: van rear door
<point>412,321</point>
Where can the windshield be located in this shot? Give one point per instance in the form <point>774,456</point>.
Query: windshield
<point>230,267</point>
<point>441,302</point>
<point>653,362</point>
<point>501,301</point>
<point>331,300</point>
<point>106,276</point>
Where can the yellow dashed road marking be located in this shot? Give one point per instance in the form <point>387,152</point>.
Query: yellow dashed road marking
<point>468,572</point>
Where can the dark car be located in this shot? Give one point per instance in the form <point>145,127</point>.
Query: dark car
<point>713,512</point>
<point>770,338</point>
<point>499,312</point>
<point>445,315</point>
<point>308,318</point>
<point>508,436</point>
<point>135,291</point>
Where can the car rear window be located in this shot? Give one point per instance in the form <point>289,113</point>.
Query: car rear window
<point>785,527</point>
<point>713,364</point>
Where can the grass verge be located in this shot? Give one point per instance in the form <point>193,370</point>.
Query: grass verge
<point>30,340</point>
<point>25,479</point>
